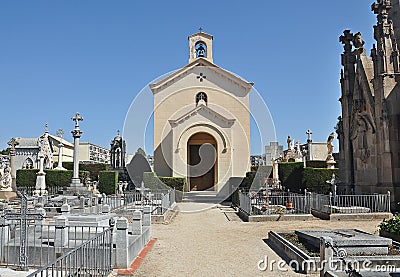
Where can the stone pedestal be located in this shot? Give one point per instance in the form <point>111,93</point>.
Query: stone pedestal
<point>40,188</point>
<point>330,162</point>
<point>8,195</point>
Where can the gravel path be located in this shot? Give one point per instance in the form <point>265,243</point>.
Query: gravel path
<point>215,242</point>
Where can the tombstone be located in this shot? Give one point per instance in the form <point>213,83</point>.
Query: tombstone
<point>351,241</point>
<point>40,188</point>
<point>136,167</point>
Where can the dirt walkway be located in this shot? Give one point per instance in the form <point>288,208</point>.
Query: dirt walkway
<point>215,243</point>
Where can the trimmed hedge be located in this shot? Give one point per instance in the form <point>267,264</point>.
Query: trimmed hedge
<point>314,179</point>
<point>296,178</point>
<point>152,182</point>
<point>108,182</point>
<point>93,169</point>
<point>54,178</point>
<point>291,175</point>
<point>316,164</point>
<point>177,183</point>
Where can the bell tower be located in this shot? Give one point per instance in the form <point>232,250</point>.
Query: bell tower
<point>200,46</point>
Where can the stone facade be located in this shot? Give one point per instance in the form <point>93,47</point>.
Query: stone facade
<point>202,104</point>
<point>368,129</point>
<point>28,149</point>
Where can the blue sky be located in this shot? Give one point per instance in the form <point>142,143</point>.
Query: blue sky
<point>93,56</point>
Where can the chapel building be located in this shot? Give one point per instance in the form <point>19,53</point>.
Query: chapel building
<point>202,121</point>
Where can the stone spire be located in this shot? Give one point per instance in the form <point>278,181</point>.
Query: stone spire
<point>385,53</point>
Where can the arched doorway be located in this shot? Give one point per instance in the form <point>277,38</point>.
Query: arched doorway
<point>202,161</point>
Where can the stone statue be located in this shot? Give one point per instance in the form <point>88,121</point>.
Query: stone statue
<point>6,180</point>
<point>358,41</point>
<point>289,142</point>
<point>329,143</point>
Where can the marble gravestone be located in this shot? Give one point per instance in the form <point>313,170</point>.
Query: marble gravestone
<point>353,241</point>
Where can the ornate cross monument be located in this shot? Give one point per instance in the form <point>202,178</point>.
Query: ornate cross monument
<point>76,184</point>
<point>60,134</point>
<point>23,217</point>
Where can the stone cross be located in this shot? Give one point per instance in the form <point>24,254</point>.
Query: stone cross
<point>333,182</point>
<point>309,133</point>
<point>201,29</point>
<point>24,216</point>
<point>76,133</point>
<point>60,134</point>
<point>77,118</point>
<point>141,190</point>
<point>12,143</point>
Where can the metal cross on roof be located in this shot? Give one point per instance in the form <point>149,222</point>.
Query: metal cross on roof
<point>201,29</point>
<point>60,133</point>
<point>24,216</point>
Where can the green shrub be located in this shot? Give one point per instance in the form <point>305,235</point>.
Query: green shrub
<point>314,179</point>
<point>54,178</point>
<point>290,175</point>
<point>177,183</point>
<point>296,178</point>
<point>108,182</point>
<point>153,182</point>
<point>93,169</point>
<point>316,164</point>
<point>26,177</point>
<point>392,225</point>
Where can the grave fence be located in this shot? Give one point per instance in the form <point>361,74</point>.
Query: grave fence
<point>46,241</point>
<point>348,204</point>
<point>92,258</point>
<point>259,203</point>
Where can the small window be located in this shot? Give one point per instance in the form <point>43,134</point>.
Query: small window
<point>201,96</point>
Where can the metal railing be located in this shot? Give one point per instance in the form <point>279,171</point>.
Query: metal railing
<point>260,203</point>
<point>348,204</point>
<point>160,201</point>
<point>92,258</point>
<point>45,242</point>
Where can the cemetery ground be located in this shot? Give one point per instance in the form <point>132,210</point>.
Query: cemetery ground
<point>215,242</point>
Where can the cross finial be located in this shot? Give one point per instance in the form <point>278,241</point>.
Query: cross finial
<point>309,133</point>
<point>12,143</point>
<point>77,118</point>
<point>46,128</point>
<point>60,133</point>
<point>201,29</point>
